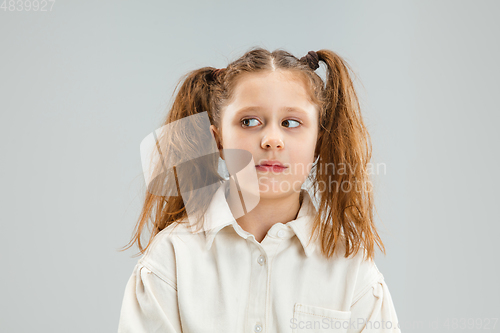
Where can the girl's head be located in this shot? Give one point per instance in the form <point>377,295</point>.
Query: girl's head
<point>277,107</point>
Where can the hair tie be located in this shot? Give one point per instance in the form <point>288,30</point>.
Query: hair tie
<point>312,59</point>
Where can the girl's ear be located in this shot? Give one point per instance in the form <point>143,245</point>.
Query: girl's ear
<point>218,139</point>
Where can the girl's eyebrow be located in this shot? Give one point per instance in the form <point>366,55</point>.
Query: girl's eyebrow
<point>258,108</point>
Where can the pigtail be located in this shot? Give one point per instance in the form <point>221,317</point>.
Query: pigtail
<point>193,97</point>
<point>342,179</point>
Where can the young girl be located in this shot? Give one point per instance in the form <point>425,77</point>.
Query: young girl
<point>259,250</point>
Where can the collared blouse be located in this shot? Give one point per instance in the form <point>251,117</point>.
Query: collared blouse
<point>222,280</point>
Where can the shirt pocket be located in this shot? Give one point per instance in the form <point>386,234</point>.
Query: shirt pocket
<point>314,319</point>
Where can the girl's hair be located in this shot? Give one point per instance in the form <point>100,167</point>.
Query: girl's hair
<point>345,215</point>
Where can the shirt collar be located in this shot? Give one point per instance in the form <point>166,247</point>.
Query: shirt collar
<point>219,216</point>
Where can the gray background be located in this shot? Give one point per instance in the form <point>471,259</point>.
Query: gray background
<point>83,84</point>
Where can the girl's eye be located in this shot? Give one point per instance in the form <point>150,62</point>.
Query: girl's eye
<point>246,122</point>
<point>291,120</point>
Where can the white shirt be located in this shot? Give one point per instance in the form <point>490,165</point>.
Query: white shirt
<point>223,280</point>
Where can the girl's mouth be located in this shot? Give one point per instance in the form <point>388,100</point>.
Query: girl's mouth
<point>267,168</point>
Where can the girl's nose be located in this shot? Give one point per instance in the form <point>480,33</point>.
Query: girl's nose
<point>272,140</point>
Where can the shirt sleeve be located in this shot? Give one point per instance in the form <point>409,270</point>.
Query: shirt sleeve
<point>149,304</point>
<point>374,311</point>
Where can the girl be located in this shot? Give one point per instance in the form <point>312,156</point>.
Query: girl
<point>258,250</point>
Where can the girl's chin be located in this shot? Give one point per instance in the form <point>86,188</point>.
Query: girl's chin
<point>277,187</point>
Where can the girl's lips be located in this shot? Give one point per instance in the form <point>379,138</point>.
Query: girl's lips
<point>273,168</point>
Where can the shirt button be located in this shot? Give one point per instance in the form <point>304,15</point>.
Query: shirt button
<point>281,233</point>
<point>257,328</point>
<point>261,260</point>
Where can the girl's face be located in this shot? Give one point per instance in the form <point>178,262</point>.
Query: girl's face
<point>271,117</point>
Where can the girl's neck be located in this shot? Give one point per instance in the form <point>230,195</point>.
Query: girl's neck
<point>268,212</point>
